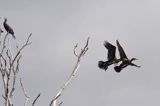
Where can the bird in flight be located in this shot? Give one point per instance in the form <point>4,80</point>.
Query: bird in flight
<point>111,56</point>
<point>8,28</point>
<point>125,60</point>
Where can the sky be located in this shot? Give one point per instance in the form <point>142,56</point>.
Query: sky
<point>57,25</point>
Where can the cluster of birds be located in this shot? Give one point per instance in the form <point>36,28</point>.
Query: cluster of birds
<point>8,28</point>
<point>125,61</point>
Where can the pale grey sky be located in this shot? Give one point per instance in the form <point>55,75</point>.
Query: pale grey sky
<point>57,25</point>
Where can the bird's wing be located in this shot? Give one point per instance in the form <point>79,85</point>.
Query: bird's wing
<point>111,50</point>
<point>121,51</point>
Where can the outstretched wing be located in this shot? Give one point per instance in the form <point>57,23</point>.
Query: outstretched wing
<point>111,50</point>
<point>121,51</point>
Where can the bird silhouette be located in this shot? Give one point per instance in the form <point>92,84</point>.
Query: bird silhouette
<point>124,59</point>
<point>111,56</point>
<point>8,28</point>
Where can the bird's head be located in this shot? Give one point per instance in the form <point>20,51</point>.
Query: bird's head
<point>5,19</point>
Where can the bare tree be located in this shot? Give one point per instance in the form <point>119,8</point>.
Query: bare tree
<point>9,69</point>
<point>68,81</point>
<point>9,66</point>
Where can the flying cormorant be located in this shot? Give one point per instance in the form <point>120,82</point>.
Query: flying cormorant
<point>111,56</point>
<point>124,59</point>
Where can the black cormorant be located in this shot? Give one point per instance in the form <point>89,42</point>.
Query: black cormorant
<point>124,59</point>
<point>8,28</point>
<point>111,56</point>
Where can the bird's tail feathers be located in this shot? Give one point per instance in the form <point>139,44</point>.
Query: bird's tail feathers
<point>103,65</point>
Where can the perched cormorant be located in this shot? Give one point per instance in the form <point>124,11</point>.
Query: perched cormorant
<point>111,56</point>
<point>8,28</point>
<point>124,59</point>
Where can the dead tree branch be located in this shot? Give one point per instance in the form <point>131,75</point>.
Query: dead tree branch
<point>68,81</point>
<point>25,93</point>
<point>36,99</point>
<point>9,68</point>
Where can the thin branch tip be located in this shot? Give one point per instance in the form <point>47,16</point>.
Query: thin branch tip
<point>75,49</point>
<point>73,73</point>
<point>36,99</point>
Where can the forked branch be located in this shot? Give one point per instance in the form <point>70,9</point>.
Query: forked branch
<point>25,93</point>
<point>9,68</point>
<point>68,81</point>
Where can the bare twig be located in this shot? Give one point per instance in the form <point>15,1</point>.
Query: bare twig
<point>67,82</point>
<point>74,50</point>
<point>13,84</point>
<point>4,43</point>
<point>25,93</point>
<point>26,44</point>
<point>9,68</point>
<point>36,99</point>
<point>60,103</point>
